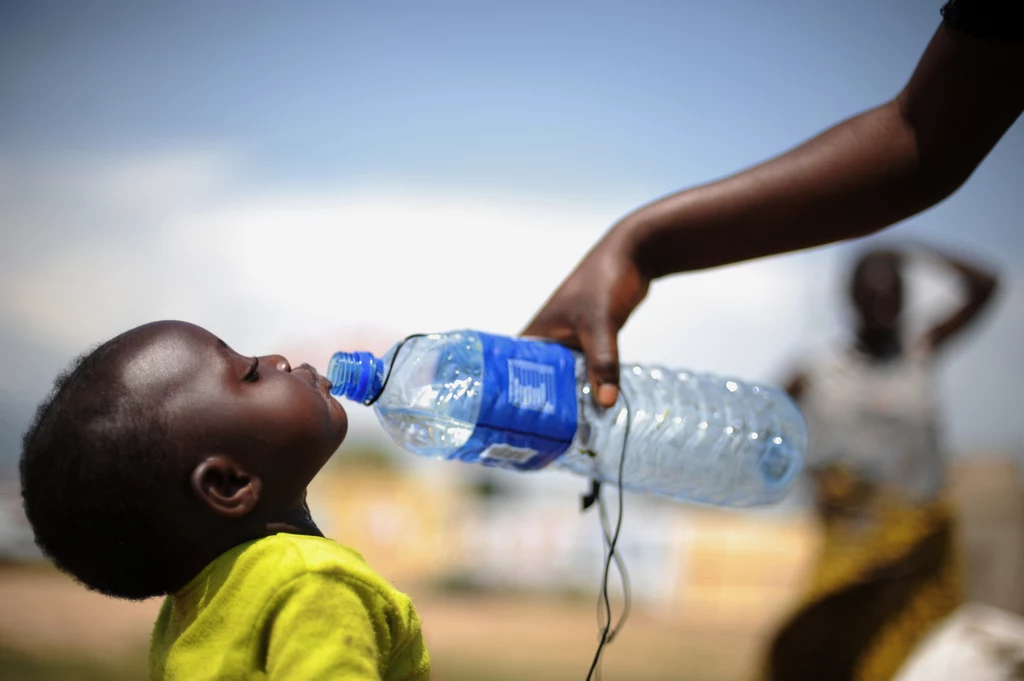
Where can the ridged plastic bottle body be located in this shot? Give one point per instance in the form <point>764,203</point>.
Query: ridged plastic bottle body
<point>692,436</point>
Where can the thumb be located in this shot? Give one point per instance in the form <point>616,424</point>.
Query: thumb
<point>601,350</point>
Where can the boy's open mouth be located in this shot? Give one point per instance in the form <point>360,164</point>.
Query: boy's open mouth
<point>322,385</point>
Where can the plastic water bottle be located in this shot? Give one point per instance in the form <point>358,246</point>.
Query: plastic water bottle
<point>526,404</point>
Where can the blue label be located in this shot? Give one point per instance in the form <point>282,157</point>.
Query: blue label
<point>529,409</point>
<point>532,386</point>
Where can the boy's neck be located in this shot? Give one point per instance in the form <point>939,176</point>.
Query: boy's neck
<point>207,549</point>
<point>294,521</point>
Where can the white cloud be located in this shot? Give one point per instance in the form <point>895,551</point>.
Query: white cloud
<point>115,243</point>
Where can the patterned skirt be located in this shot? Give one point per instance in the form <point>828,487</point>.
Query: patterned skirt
<point>882,581</point>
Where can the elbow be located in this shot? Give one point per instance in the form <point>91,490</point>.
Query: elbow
<point>940,178</point>
<point>982,288</point>
<point>940,164</point>
<point>987,287</point>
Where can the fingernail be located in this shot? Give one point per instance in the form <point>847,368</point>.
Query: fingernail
<point>607,394</point>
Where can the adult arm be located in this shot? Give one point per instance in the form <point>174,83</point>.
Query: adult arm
<point>856,178</point>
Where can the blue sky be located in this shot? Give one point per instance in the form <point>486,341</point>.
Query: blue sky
<point>295,173</point>
<point>584,97</point>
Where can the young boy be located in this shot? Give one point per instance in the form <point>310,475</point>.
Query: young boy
<point>165,463</point>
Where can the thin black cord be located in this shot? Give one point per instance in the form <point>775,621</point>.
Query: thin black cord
<point>607,633</point>
<point>620,565</point>
<point>387,377</point>
<point>627,597</point>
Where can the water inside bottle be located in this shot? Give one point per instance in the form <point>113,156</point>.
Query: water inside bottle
<point>437,413</point>
<point>426,433</point>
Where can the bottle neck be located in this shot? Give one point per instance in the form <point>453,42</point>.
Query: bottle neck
<point>357,376</point>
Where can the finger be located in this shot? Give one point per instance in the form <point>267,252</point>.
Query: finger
<point>601,349</point>
<point>539,326</point>
<point>557,330</point>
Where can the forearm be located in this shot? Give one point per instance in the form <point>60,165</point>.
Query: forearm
<point>979,280</point>
<point>979,286</point>
<point>851,180</point>
<point>858,177</point>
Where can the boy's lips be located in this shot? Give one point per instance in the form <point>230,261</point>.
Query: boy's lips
<point>322,385</point>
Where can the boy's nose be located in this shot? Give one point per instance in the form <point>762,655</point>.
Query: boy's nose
<point>277,361</point>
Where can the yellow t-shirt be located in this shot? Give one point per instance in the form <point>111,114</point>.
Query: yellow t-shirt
<point>288,607</point>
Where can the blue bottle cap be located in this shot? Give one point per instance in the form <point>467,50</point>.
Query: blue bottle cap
<point>352,374</point>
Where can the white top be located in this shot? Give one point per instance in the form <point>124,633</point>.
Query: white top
<point>879,419</point>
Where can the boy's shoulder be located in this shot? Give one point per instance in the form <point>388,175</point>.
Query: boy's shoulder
<point>309,553</point>
<point>250,577</point>
<point>294,593</point>
<point>291,556</point>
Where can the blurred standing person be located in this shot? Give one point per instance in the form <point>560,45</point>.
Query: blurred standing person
<point>888,570</point>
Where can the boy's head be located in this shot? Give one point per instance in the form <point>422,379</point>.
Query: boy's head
<point>164,447</point>
<point>877,290</point>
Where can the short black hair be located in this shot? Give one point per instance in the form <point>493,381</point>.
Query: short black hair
<point>99,477</point>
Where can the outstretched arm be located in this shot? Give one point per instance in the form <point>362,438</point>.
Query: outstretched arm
<point>860,176</point>
<point>854,179</point>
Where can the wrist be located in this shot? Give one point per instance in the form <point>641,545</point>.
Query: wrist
<point>630,237</point>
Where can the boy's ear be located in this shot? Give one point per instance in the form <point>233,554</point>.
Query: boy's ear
<point>225,487</point>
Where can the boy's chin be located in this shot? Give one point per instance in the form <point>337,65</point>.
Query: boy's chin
<point>339,429</point>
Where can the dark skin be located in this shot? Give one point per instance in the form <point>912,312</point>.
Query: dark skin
<point>258,431</point>
<point>854,179</point>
